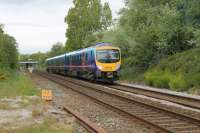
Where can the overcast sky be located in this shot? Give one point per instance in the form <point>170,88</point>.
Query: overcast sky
<point>38,24</point>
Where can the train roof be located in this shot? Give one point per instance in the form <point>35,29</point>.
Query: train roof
<point>56,57</point>
<point>101,44</point>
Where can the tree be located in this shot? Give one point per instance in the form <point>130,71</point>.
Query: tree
<point>1,29</point>
<point>8,51</point>
<point>159,28</point>
<point>57,49</point>
<point>84,19</point>
<point>106,16</point>
<point>40,57</point>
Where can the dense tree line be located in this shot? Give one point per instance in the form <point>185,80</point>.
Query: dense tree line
<point>84,20</point>
<point>8,50</point>
<point>150,30</point>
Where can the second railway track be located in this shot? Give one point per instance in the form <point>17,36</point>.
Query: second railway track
<point>175,97</point>
<point>157,119</point>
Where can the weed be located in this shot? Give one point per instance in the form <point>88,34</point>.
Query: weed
<point>4,105</point>
<point>17,84</point>
<point>37,112</point>
<point>49,125</point>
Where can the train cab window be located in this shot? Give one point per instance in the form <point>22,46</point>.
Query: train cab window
<point>108,56</point>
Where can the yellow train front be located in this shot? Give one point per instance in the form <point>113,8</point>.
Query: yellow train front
<point>97,63</point>
<point>108,62</point>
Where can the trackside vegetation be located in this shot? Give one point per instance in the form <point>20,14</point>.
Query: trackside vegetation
<point>12,82</point>
<point>8,50</point>
<point>48,126</point>
<point>16,84</point>
<point>179,72</point>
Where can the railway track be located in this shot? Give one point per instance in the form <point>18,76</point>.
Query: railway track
<point>155,118</point>
<point>88,125</point>
<point>175,97</point>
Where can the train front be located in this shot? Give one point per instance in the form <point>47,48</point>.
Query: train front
<point>108,62</point>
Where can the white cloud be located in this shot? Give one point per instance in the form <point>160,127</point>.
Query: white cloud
<point>37,24</point>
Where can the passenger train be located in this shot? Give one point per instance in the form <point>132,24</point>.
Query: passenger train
<point>97,63</point>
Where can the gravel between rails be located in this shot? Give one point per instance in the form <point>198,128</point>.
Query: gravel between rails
<point>111,99</point>
<point>106,118</point>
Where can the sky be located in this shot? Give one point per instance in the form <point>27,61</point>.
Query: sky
<point>38,24</point>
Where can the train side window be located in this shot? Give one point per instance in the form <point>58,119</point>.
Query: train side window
<point>67,60</point>
<point>63,60</point>
<point>86,58</point>
<point>72,60</point>
<point>80,59</point>
<point>75,59</point>
<point>92,56</point>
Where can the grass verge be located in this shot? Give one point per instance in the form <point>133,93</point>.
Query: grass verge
<point>49,125</point>
<point>16,84</point>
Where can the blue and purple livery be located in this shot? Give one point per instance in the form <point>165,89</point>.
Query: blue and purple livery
<point>99,62</point>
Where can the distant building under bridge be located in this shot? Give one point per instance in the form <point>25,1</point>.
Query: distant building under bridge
<point>28,65</point>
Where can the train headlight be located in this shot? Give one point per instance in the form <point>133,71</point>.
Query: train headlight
<point>100,67</point>
<point>117,66</point>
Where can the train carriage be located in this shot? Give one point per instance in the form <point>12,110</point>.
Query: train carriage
<point>100,62</point>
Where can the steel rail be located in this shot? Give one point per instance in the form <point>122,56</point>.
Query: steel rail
<point>175,97</point>
<point>71,83</point>
<point>85,122</point>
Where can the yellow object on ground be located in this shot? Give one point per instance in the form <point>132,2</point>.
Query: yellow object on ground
<point>47,95</point>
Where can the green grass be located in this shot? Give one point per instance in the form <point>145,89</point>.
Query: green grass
<point>16,84</point>
<point>49,126</point>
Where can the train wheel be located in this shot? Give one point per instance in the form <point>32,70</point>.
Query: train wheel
<point>111,81</point>
<point>92,77</point>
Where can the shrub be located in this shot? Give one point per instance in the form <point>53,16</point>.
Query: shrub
<point>194,79</point>
<point>179,82</point>
<point>158,78</point>
<point>180,72</point>
<point>6,73</point>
